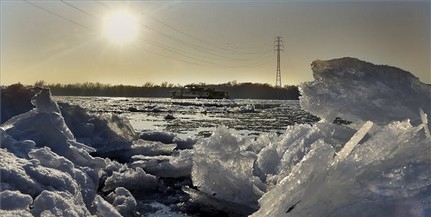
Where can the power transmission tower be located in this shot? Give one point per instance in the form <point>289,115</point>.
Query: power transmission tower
<point>278,48</point>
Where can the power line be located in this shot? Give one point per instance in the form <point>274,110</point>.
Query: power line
<point>76,8</point>
<point>191,45</point>
<point>57,15</point>
<point>156,44</point>
<point>188,44</point>
<point>213,54</point>
<point>199,39</point>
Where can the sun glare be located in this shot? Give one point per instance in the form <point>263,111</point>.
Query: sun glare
<point>120,27</point>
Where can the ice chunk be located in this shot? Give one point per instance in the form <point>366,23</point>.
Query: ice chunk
<point>50,178</point>
<point>221,170</point>
<point>19,148</point>
<point>168,138</point>
<point>424,119</point>
<point>249,108</point>
<point>14,200</point>
<point>132,180</point>
<point>159,136</point>
<point>152,148</point>
<point>85,177</point>
<point>388,174</point>
<point>358,91</point>
<point>49,159</point>
<point>123,201</point>
<point>88,181</point>
<point>54,132</point>
<point>377,178</point>
<point>59,203</point>
<point>268,160</point>
<point>33,170</point>
<point>211,203</point>
<point>83,158</point>
<point>140,147</point>
<point>14,176</point>
<point>105,209</point>
<point>107,133</point>
<point>40,158</point>
<point>15,99</point>
<point>298,141</point>
<point>186,143</point>
<point>304,179</point>
<point>44,102</point>
<point>397,137</point>
<point>166,166</point>
<point>260,142</point>
<point>14,213</point>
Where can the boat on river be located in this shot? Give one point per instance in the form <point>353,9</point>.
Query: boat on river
<point>199,92</point>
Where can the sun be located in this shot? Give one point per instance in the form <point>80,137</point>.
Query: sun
<point>120,27</point>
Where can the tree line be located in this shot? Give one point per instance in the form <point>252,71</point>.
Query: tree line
<point>236,90</point>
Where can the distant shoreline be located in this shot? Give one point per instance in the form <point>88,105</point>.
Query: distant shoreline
<point>236,90</point>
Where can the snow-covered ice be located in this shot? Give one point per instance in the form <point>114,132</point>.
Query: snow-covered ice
<point>62,160</point>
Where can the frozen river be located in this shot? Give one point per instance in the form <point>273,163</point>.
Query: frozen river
<point>198,117</point>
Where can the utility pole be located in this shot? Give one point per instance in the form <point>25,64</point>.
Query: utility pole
<point>278,48</point>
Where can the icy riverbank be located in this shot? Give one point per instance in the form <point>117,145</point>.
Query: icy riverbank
<point>63,161</point>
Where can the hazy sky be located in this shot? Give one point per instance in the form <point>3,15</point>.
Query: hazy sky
<point>205,41</point>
